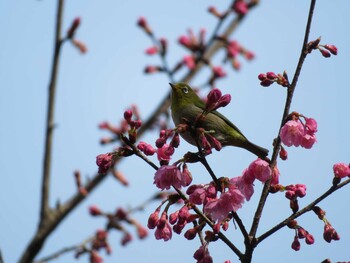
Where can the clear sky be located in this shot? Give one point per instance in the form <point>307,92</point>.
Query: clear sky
<point>100,85</point>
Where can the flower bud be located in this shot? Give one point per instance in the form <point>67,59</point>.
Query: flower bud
<point>296,244</point>
<point>271,75</point>
<point>325,53</point>
<point>73,28</point>
<point>95,210</point>
<point>151,50</point>
<point>142,22</point>
<point>333,49</point>
<point>262,76</point>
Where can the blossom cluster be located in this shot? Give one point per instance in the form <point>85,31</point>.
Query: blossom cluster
<point>171,175</point>
<point>297,133</point>
<point>100,240</point>
<point>232,191</point>
<point>116,221</point>
<point>197,44</point>
<point>123,126</point>
<point>329,233</point>
<point>266,79</point>
<point>326,50</point>
<point>341,170</point>
<point>292,192</point>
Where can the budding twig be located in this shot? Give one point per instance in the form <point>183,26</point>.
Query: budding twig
<point>288,103</point>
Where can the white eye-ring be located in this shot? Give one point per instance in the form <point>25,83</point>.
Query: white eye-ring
<point>185,90</point>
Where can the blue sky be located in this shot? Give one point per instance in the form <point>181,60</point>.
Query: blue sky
<point>100,85</point>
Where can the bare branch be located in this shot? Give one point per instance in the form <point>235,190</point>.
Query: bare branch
<point>45,190</point>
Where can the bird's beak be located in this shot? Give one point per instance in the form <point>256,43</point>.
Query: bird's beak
<point>172,86</point>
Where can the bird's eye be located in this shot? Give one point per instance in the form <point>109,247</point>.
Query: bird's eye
<point>185,90</point>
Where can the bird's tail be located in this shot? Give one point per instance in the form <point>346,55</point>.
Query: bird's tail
<point>257,150</point>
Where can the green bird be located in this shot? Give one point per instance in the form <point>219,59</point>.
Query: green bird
<point>186,106</point>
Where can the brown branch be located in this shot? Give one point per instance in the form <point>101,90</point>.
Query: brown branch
<point>57,254</point>
<point>45,213</point>
<point>56,216</point>
<point>307,208</point>
<point>45,190</point>
<point>265,192</point>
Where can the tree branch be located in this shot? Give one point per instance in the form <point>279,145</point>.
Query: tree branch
<point>307,208</point>
<point>56,216</point>
<point>265,192</point>
<point>288,103</point>
<point>45,190</point>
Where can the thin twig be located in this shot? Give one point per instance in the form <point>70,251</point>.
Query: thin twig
<point>241,226</point>
<point>285,114</point>
<point>307,208</point>
<point>265,192</point>
<point>57,254</point>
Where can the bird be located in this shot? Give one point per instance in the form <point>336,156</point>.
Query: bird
<point>186,106</point>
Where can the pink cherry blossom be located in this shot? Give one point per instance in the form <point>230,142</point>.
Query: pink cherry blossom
<point>197,194</point>
<point>229,201</point>
<point>170,175</point>
<point>341,170</point>
<point>163,230</point>
<point>164,153</point>
<point>292,133</point>
<point>311,124</point>
<point>300,190</point>
<point>308,140</point>
<point>260,169</point>
<point>247,189</point>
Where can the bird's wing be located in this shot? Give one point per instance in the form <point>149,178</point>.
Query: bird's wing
<point>200,104</point>
<point>227,121</point>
